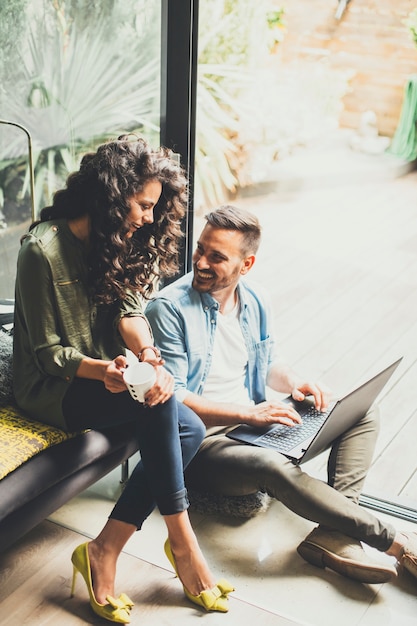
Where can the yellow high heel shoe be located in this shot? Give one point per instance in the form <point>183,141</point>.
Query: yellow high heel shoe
<point>214,599</point>
<point>117,610</point>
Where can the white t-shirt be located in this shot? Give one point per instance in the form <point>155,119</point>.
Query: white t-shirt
<point>226,379</point>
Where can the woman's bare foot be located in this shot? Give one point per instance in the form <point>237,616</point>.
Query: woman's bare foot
<point>103,572</point>
<point>103,552</point>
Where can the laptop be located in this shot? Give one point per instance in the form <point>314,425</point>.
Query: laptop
<point>302,442</point>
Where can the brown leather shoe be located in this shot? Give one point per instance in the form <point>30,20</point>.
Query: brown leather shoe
<point>332,549</point>
<point>409,556</point>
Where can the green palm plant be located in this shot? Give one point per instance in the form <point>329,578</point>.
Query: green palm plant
<point>79,92</point>
<point>218,120</point>
<point>220,81</point>
<point>234,42</point>
<point>411,23</point>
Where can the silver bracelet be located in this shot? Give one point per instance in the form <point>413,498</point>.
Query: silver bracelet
<point>154,348</point>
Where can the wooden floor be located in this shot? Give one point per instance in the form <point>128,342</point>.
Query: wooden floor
<point>339,258</point>
<point>36,578</point>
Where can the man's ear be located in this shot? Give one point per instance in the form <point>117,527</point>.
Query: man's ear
<point>247,264</point>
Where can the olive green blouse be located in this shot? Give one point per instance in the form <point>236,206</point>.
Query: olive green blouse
<point>56,324</point>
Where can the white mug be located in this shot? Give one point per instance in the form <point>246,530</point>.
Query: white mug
<point>139,378</point>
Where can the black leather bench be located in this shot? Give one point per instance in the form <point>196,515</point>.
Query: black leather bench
<point>52,469</point>
<point>43,483</point>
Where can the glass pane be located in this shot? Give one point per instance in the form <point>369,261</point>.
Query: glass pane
<point>234,118</point>
<point>338,218</point>
<point>74,74</point>
<point>15,201</point>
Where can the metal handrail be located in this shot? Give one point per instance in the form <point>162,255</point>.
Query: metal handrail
<point>31,169</point>
<point>341,8</point>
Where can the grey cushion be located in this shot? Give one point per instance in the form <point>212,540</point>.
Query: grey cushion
<point>245,506</point>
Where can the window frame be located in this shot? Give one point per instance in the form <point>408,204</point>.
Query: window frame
<point>179,59</point>
<point>179,62</point>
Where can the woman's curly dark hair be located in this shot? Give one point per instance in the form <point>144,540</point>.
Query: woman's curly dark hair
<point>101,189</point>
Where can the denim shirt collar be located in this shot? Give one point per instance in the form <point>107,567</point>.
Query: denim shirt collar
<point>209,302</point>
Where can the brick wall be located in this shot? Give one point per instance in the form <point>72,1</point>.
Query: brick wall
<point>370,40</point>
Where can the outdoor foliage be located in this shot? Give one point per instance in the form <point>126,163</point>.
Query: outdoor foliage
<point>95,74</point>
<point>12,19</point>
<point>411,23</point>
<point>235,40</point>
<point>254,109</point>
<point>76,72</point>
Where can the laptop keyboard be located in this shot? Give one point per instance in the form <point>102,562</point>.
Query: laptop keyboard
<point>285,438</point>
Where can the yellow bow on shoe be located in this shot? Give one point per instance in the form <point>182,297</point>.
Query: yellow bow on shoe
<point>214,599</point>
<point>122,602</point>
<point>117,610</point>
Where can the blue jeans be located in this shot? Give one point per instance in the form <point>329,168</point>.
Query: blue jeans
<point>169,435</point>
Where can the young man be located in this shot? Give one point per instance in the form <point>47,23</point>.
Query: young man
<point>214,330</point>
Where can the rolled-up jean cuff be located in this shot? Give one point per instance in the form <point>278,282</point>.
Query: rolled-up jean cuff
<point>175,503</point>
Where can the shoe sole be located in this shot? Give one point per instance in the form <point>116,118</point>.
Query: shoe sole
<point>320,557</point>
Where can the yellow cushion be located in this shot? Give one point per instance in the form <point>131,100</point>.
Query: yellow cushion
<point>22,438</point>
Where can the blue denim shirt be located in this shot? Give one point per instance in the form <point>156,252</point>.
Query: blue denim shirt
<point>184,323</point>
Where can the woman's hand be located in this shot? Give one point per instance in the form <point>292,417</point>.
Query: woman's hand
<point>163,388</point>
<point>160,392</point>
<point>113,375</point>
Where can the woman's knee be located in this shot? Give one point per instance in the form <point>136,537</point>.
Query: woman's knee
<point>189,421</point>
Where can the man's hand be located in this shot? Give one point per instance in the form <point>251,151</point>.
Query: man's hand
<point>268,413</point>
<point>283,379</point>
<point>320,393</point>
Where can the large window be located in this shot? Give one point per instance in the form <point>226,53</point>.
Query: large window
<point>77,72</point>
<point>263,95</point>
<point>74,74</point>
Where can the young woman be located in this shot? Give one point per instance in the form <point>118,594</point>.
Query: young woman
<point>82,272</point>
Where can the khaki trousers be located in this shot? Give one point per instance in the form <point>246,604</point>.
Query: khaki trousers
<point>224,466</point>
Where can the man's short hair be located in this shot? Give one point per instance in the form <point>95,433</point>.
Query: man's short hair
<point>231,218</point>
